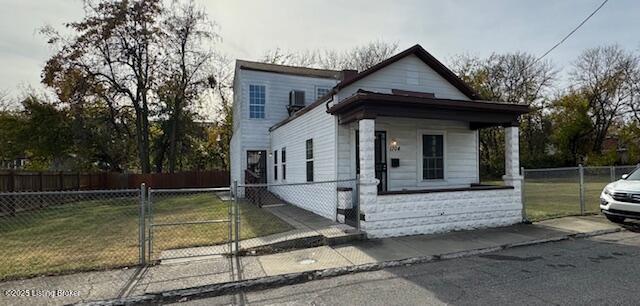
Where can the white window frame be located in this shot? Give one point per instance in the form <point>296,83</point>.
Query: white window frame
<point>307,160</point>
<point>283,164</point>
<point>328,88</point>
<point>249,101</point>
<point>420,161</point>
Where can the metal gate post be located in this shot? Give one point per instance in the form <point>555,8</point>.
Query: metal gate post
<point>582,204</point>
<point>357,200</point>
<point>237,217</point>
<point>150,226</point>
<point>613,173</point>
<point>141,224</point>
<point>233,194</point>
<point>524,207</point>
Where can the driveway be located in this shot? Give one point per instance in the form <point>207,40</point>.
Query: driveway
<point>599,270</point>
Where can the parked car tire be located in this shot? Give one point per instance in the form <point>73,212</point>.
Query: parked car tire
<point>615,219</point>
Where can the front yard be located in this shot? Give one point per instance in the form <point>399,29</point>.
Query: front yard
<point>103,233</point>
<point>551,198</point>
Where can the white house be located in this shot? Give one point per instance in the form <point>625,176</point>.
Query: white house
<point>408,126</point>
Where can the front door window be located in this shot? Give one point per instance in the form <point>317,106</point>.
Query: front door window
<point>257,163</point>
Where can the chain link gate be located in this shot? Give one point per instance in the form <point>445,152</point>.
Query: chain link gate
<point>188,223</point>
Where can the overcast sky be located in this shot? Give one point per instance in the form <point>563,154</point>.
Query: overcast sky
<point>445,28</point>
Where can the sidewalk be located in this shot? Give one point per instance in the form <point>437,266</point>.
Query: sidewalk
<point>221,270</point>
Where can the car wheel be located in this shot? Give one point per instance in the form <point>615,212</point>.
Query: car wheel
<point>615,219</point>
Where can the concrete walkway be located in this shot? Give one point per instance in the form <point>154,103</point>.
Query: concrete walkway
<point>165,277</point>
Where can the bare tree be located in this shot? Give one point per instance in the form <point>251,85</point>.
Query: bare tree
<point>606,76</point>
<point>359,58</point>
<point>116,46</point>
<point>185,71</point>
<point>515,78</point>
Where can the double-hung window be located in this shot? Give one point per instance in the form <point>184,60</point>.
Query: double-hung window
<point>275,165</point>
<point>309,147</point>
<point>321,91</point>
<point>284,163</point>
<point>432,157</point>
<point>257,99</point>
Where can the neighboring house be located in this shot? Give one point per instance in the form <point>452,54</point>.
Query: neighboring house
<point>407,126</point>
<point>18,163</point>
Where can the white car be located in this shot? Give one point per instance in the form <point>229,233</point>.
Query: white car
<point>621,199</point>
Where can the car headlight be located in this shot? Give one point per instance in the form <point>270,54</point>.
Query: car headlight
<point>608,191</point>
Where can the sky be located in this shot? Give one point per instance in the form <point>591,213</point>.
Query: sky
<point>445,28</point>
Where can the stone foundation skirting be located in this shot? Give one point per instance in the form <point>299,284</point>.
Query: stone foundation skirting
<point>428,213</point>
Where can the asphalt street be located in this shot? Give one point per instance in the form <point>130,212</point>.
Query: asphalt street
<point>603,270</point>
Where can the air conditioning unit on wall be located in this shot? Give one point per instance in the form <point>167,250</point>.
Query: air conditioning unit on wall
<point>296,101</point>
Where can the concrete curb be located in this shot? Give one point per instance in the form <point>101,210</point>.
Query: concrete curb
<point>268,282</point>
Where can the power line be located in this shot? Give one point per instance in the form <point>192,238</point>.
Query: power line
<point>571,33</point>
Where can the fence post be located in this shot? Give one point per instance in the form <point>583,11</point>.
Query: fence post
<point>582,204</point>
<point>525,219</point>
<point>141,223</point>
<point>237,217</point>
<point>357,198</point>
<point>61,180</point>
<point>150,224</point>
<point>232,193</point>
<point>12,188</point>
<point>613,173</point>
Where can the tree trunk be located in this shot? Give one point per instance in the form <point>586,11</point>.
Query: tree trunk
<point>173,136</point>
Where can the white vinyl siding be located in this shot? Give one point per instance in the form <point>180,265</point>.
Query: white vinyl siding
<point>409,73</point>
<point>461,149</point>
<point>253,134</point>
<point>317,197</point>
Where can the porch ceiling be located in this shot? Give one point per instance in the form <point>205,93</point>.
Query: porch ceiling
<point>479,114</point>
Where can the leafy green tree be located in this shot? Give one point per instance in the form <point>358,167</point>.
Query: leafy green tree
<point>572,128</point>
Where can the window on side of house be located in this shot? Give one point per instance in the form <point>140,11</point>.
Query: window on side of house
<point>432,157</point>
<point>284,161</point>
<point>275,165</point>
<point>309,147</point>
<point>257,100</point>
<point>321,91</point>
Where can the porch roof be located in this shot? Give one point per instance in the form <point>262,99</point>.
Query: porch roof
<point>479,114</point>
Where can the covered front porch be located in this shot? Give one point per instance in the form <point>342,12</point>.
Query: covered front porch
<point>417,158</point>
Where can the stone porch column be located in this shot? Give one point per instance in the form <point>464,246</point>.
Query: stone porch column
<point>368,190</point>
<point>512,175</point>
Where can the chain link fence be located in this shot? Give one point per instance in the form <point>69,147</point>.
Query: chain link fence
<point>55,232</point>
<point>186,223</point>
<point>557,192</point>
<point>294,215</point>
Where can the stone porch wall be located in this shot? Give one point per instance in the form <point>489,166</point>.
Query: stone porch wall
<point>427,213</point>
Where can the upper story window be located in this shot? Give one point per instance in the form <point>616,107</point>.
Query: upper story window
<point>257,99</point>
<point>321,91</point>
<point>433,157</point>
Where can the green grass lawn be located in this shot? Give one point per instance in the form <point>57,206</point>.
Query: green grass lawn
<point>101,234</point>
<point>550,198</point>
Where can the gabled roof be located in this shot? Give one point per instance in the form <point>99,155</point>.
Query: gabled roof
<point>292,70</point>
<point>428,59</point>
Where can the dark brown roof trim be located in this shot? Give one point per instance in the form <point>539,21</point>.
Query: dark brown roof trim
<point>290,70</point>
<point>362,96</point>
<point>479,114</point>
<point>428,59</point>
